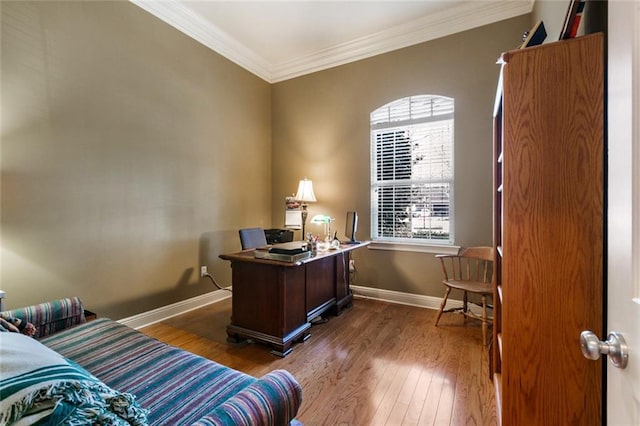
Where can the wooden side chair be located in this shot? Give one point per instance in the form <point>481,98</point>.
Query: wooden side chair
<point>470,271</point>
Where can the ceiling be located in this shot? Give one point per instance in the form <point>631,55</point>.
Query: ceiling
<point>279,40</point>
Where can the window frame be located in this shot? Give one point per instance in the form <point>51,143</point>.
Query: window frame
<point>393,124</point>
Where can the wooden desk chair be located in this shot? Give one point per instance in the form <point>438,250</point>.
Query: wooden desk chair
<point>470,271</point>
<point>252,237</point>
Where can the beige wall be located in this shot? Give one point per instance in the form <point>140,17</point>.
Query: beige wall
<point>554,12</point>
<point>321,131</point>
<point>131,155</point>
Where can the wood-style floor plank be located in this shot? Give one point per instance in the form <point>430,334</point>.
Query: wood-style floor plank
<point>376,364</point>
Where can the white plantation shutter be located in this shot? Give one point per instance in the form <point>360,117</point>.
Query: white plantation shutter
<point>412,170</point>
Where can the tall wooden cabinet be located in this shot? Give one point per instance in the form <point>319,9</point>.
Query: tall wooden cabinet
<point>548,232</point>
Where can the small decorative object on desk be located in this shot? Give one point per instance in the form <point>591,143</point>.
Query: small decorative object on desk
<point>335,244</point>
<point>312,243</point>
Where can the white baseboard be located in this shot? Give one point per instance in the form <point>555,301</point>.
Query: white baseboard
<point>160,314</point>
<point>419,300</point>
<point>411,299</point>
<point>165,312</point>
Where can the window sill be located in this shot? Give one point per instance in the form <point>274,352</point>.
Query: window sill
<point>417,248</point>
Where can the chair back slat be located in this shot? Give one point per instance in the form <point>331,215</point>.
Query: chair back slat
<point>470,264</point>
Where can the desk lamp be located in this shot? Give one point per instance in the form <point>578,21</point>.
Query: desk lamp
<point>326,221</point>
<point>305,195</point>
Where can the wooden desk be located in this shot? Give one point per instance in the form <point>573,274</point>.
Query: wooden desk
<point>274,302</point>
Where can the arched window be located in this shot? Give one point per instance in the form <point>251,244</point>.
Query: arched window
<point>412,170</point>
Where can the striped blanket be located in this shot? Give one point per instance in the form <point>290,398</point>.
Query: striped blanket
<point>179,388</point>
<point>176,387</point>
<point>39,385</point>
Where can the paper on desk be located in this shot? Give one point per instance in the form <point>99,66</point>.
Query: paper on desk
<point>293,219</point>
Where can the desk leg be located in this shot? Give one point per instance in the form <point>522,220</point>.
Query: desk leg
<point>284,350</point>
<point>234,338</point>
<point>281,346</point>
<point>345,303</point>
<point>344,296</point>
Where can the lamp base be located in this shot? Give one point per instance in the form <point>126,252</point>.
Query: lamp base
<point>304,215</point>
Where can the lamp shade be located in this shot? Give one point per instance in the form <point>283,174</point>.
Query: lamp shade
<point>305,192</point>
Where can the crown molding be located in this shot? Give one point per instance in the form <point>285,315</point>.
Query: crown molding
<point>466,16</point>
<point>193,25</point>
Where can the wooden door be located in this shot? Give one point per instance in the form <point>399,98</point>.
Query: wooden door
<point>552,235</point>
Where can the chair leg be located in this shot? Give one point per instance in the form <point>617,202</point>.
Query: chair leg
<point>444,302</point>
<point>465,306</point>
<point>484,320</point>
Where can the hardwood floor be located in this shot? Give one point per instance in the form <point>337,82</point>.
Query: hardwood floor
<point>376,364</point>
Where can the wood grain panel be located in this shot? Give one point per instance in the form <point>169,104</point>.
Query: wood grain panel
<point>552,270</point>
<point>320,283</point>
<point>262,289</point>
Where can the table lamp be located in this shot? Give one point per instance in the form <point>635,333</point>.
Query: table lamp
<point>305,195</point>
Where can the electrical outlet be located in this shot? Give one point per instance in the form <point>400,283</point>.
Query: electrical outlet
<point>352,265</point>
<point>203,271</point>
